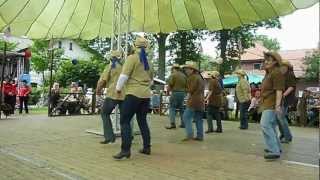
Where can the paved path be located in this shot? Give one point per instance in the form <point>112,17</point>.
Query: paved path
<point>38,147</point>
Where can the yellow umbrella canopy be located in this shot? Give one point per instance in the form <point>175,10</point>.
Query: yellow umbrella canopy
<point>88,19</point>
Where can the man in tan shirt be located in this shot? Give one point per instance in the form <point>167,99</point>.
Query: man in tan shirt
<point>177,86</point>
<point>243,93</point>
<point>108,79</point>
<point>137,76</point>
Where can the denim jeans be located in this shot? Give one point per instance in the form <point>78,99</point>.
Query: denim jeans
<point>176,102</point>
<point>190,114</point>
<point>244,116</point>
<point>213,113</point>
<point>284,125</point>
<point>268,124</point>
<point>131,106</point>
<point>107,108</point>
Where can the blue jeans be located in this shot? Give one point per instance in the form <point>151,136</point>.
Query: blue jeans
<point>284,125</point>
<point>176,102</point>
<point>268,124</point>
<point>131,106</point>
<point>190,114</point>
<point>107,108</point>
<point>244,116</point>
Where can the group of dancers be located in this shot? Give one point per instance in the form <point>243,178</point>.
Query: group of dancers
<point>129,83</point>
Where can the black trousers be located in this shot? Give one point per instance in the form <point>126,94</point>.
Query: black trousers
<point>10,100</point>
<point>131,106</point>
<point>23,101</point>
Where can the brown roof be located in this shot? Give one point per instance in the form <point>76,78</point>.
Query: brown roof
<point>254,53</point>
<point>295,57</point>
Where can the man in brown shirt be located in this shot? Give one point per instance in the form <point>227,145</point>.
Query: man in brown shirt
<point>214,99</point>
<point>270,105</point>
<point>288,99</point>
<point>177,85</point>
<point>195,102</point>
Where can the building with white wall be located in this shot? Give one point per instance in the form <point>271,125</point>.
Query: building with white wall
<point>72,50</point>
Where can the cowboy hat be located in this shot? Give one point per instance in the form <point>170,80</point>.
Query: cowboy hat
<point>140,42</point>
<point>240,72</point>
<point>286,63</point>
<point>214,73</point>
<point>276,56</point>
<point>115,53</point>
<point>176,66</point>
<point>191,65</point>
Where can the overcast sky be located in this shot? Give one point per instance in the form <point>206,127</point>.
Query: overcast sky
<point>300,30</point>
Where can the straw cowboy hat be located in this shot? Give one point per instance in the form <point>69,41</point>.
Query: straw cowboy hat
<point>191,65</point>
<point>141,42</point>
<point>176,66</point>
<point>214,73</point>
<point>276,56</point>
<point>116,53</point>
<point>241,72</point>
<point>286,63</point>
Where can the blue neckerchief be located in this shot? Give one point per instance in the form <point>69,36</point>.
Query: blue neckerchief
<point>144,59</point>
<point>113,62</point>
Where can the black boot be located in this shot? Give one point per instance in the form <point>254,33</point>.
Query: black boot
<point>108,141</point>
<point>209,131</point>
<point>146,151</point>
<point>122,155</point>
<point>172,126</point>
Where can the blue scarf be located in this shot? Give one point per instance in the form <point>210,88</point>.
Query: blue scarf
<point>114,62</point>
<point>143,59</point>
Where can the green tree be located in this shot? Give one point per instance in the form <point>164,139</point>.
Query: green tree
<point>41,57</point>
<point>87,72</point>
<point>233,42</point>
<point>270,43</point>
<point>312,62</point>
<point>186,45</point>
<point>10,46</point>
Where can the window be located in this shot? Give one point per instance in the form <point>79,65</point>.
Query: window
<point>70,46</point>
<point>60,44</point>
<point>257,66</point>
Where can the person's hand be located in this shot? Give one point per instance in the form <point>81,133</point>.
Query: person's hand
<point>278,109</point>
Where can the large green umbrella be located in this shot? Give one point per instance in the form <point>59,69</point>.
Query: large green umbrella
<point>88,19</point>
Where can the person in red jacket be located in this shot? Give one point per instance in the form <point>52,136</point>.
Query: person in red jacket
<point>13,95</point>
<point>6,90</point>
<point>23,93</point>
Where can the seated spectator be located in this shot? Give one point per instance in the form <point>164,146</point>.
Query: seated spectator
<point>254,106</point>
<point>155,102</point>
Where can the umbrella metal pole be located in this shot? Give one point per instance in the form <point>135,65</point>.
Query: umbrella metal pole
<point>2,74</point>
<point>50,82</point>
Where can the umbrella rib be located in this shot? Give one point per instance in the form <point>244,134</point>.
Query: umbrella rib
<point>174,20</point>
<point>44,7</point>
<point>70,18</point>
<point>55,19</point>
<point>234,9</point>
<point>293,4</point>
<point>184,2</point>
<point>144,14</point>
<point>3,3</point>
<point>0,13</point>
<point>249,1</point>
<point>104,4</point>
<point>8,24</point>
<point>86,19</point>
<point>274,10</point>
<point>214,2</point>
<point>204,19</point>
<point>159,15</point>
